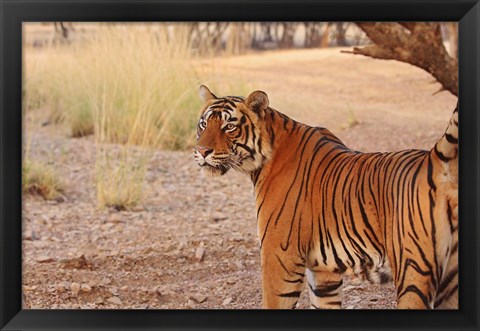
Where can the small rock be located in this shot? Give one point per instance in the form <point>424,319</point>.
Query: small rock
<point>137,208</point>
<point>227,301</point>
<point>231,281</point>
<point>153,290</point>
<point>28,234</point>
<point>79,262</point>
<point>60,288</point>
<point>170,247</point>
<point>45,259</point>
<point>124,288</point>
<point>115,218</point>
<point>198,298</point>
<point>218,216</point>
<point>115,300</point>
<point>107,226</point>
<point>191,304</point>
<point>75,288</point>
<point>241,251</point>
<point>60,198</point>
<point>147,250</point>
<point>239,264</point>
<point>236,236</point>
<point>199,253</point>
<point>355,300</point>
<point>106,281</point>
<point>86,288</point>
<point>161,291</point>
<point>113,290</point>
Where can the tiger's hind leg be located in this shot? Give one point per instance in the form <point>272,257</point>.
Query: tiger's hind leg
<point>282,280</point>
<point>447,295</point>
<point>415,288</point>
<point>325,289</point>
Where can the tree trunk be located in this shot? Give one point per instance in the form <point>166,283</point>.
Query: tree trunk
<point>313,34</point>
<point>452,36</point>
<point>340,34</point>
<point>326,36</point>
<point>287,39</point>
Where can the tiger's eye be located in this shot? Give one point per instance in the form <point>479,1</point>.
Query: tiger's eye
<point>231,126</point>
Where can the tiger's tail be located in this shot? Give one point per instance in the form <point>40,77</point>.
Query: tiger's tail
<point>446,148</point>
<point>446,152</point>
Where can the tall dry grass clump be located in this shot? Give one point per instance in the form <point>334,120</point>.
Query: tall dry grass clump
<point>141,91</point>
<point>130,84</point>
<point>40,178</point>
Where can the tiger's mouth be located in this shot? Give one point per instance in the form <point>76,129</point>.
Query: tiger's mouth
<point>217,170</point>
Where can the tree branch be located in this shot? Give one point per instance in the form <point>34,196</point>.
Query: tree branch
<point>419,44</point>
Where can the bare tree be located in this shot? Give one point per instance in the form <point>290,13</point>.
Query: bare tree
<point>416,43</point>
<point>206,37</point>
<point>313,34</point>
<point>340,33</point>
<point>239,38</point>
<point>287,39</point>
<point>62,31</point>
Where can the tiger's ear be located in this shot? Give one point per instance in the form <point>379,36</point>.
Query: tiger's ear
<point>206,94</point>
<point>258,102</point>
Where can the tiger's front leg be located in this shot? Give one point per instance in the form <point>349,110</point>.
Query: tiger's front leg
<point>325,289</point>
<point>282,279</point>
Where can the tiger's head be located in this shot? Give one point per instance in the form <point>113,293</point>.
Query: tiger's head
<point>231,133</point>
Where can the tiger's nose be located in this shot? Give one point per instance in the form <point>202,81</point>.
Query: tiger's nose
<point>204,151</point>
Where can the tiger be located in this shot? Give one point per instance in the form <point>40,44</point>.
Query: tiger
<point>325,211</point>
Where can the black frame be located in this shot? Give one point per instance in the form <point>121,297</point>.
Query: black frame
<point>14,12</point>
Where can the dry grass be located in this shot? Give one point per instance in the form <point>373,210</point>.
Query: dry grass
<point>128,84</point>
<point>120,177</point>
<point>351,120</point>
<point>39,178</point>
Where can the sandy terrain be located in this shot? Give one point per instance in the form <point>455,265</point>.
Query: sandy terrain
<point>79,256</point>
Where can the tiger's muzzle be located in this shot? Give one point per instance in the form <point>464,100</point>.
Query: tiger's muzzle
<point>206,159</point>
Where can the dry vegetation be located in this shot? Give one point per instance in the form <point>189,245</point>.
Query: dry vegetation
<point>184,241</point>
<point>88,87</point>
<point>41,179</point>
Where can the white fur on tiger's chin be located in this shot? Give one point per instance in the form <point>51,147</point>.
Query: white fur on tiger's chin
<point>211,171</point>
<point>213,168</point>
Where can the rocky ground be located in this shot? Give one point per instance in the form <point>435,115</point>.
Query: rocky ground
<point>192,243</point>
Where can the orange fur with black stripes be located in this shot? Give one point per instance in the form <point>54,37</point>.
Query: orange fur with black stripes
<point>324,210</point>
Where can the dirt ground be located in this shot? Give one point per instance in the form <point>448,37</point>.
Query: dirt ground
<point>193,243</point>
